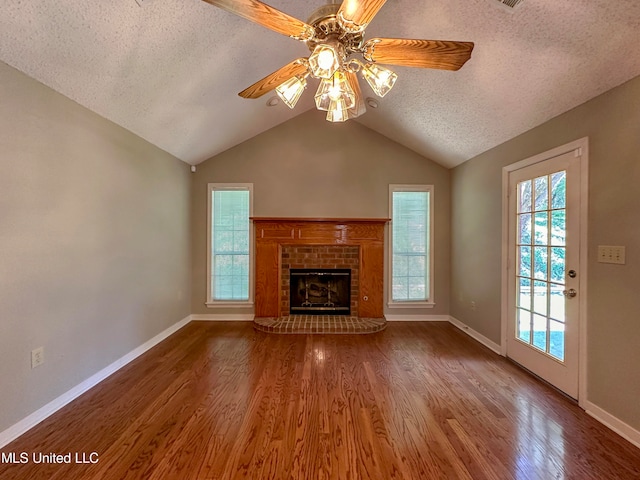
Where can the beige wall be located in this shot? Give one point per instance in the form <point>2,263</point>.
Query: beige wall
<point>612,123</point>
<point>94,243</point>
<point>308,167</point>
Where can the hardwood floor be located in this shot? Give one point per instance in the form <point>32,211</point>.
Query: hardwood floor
<point>416,401</point>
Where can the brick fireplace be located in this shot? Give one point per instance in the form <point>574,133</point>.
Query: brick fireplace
<point>344,257</point>
<point>285,243</point>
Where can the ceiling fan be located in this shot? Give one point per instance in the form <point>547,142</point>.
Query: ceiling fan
<point>334,34</point>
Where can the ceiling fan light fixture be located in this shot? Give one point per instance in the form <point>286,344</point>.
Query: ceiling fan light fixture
<point>322,94</point>
<point>338,111</point>
<point>380,79</point>
<point>333,34</point>
<point>324,61</point>
<point>332,89</point>
<point>291,90</point>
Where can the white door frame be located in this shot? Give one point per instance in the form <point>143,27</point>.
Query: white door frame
<point>582,145</point>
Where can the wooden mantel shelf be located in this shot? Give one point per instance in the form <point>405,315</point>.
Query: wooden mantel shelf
<point>274,232</point>
<point>319,220</point>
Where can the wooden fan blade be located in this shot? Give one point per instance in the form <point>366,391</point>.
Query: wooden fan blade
<point>355,15</point>
<point>267,16</point>
<point>441,54</point>
<point>359,107</point>
<point>268,83</point>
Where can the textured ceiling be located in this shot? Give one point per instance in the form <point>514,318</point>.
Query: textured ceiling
<point>170,70</point>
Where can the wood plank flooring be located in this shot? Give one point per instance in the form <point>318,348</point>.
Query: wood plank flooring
<point>416,401</point>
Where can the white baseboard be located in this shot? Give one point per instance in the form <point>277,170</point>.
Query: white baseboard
<point>614,423</point>
<point>491,345</point>
<point>398,317</point>
<point>223,317</point>
<point>13,432</point>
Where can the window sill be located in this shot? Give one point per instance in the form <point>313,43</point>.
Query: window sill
<point>426,304</point>
<point>229,304</point>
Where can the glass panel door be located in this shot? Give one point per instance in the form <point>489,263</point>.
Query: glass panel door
<point>541,248</point>
<point>543,277</point>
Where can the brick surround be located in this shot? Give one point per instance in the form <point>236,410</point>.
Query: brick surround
<point>319,256</point>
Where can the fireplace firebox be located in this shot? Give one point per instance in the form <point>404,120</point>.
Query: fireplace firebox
<point>320,291</point>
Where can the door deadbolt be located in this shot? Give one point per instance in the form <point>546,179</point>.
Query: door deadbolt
<point>572,274</point>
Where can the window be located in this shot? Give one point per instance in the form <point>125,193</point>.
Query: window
<point>230,244</point>
<point>411,255</point>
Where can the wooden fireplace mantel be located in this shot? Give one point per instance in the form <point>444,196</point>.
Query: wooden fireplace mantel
<point>272,233</point>
<point>319,220</point>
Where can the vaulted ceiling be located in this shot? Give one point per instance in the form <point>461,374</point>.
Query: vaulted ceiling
<point>170,70</point>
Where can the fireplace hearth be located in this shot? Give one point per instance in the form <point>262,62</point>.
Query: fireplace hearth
<point>320,291</point>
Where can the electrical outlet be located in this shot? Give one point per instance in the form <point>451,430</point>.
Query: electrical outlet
<point>473,305</point>
<point>37,357</point>
<point>611,254</point>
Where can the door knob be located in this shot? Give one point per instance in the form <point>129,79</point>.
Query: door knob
<point>570,293</point>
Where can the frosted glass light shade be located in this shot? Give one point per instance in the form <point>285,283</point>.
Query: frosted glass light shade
<point>379,78</point>
<point>332,89</point>
<point>338,111</point>
<point>291,90</point>
<point>324,61</point>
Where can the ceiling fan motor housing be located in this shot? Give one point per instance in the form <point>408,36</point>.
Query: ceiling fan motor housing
<point>327,29</point>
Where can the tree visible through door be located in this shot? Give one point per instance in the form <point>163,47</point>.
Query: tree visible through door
<point>541,249</point>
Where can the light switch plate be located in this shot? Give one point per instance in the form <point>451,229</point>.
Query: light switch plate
<point>611,254</point>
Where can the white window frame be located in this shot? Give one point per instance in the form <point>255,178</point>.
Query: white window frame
<point>211,302</point>
<point>429,302</point>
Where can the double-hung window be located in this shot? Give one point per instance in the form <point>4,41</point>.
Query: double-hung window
<point>411,246</point>
<point>230,244</point>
